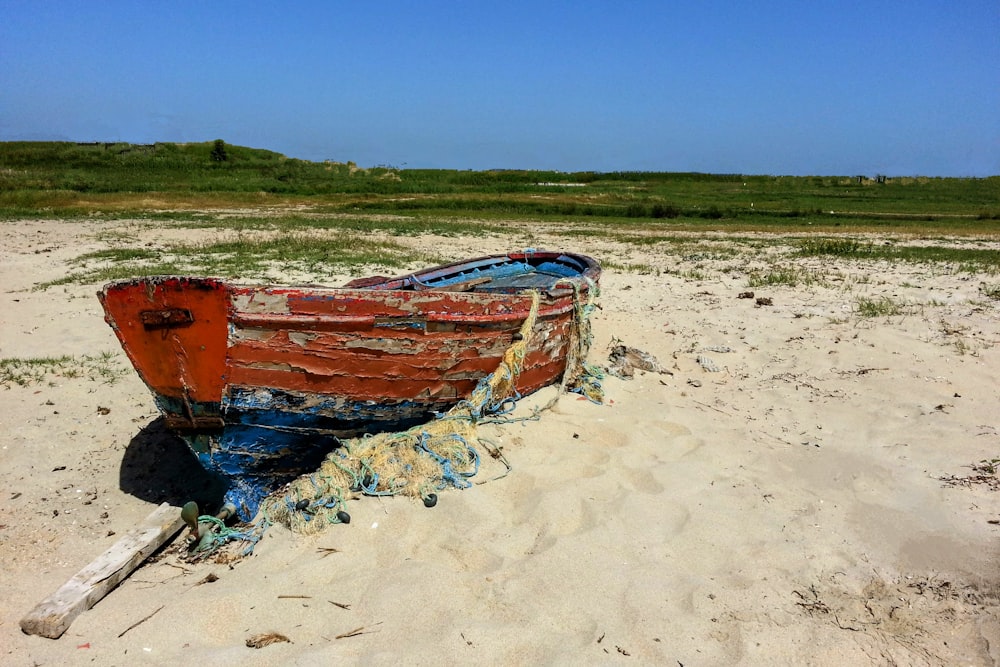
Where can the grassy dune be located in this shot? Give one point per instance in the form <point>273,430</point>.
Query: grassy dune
<point>46,179</point>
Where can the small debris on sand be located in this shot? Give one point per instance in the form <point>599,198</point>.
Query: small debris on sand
<point>266,639</point>
<point>624,360</point>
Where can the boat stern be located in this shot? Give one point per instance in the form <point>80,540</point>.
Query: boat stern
<point>174,330</point>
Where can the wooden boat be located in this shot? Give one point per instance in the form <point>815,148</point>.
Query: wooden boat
<point>261,382</point>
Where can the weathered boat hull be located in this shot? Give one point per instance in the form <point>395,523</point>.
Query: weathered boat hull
<point>262,381</point>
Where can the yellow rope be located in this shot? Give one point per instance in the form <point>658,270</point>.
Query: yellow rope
<point>407,462</point>
<point>426,458</point>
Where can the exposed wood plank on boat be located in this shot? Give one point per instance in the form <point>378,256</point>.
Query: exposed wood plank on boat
<point>463,286</point>
<point>51,617</point>
<point>392,366</point>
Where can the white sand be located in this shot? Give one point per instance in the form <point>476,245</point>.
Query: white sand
<point>784,510</point>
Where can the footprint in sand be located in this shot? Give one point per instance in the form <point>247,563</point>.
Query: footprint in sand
<point>669,441</point>
<point>546,513</point>
<point>642,480</point>
<point>603,435</point>
<point>652,522</point>
<point>471,557</point>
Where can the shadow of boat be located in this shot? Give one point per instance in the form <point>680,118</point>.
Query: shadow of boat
<point>159,468</point>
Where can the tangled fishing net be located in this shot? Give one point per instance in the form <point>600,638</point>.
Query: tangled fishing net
<point>434,456</point>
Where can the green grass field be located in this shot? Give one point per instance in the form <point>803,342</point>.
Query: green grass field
<point>272,208</point>
<point>46,179</point>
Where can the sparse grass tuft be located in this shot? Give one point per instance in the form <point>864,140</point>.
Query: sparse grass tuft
<point>629,267</point>
<point>247,257</point>
<point>788,277</point>
<point>965,260</point>
<point>694,274</point>
<point>881,307</point>
<point>990,291</point>
<point>838,247</point>
<point>25,372</point>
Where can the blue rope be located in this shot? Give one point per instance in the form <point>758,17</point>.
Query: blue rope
<point>448,473</point>
<point>371,488</point>
<point>218,534</point>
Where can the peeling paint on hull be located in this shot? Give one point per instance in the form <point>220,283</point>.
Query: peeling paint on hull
<point>261,381</point>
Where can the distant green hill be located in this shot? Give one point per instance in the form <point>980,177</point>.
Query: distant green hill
<point>68,155</point>
<point>163,167</point>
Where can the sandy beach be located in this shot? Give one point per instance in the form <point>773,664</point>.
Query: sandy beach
<point>776,498</point>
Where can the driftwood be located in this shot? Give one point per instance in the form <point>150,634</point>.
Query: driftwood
<point>54,615</point>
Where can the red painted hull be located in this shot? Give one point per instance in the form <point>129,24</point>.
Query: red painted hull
<point>262,379</point>
<point>387,343</point>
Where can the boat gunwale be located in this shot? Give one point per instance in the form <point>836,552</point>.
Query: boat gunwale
<point>557,306</point>
<point>591,270</point>
<point>587,267</point>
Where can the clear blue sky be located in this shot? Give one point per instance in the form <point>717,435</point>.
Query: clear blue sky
<point>797,87</point>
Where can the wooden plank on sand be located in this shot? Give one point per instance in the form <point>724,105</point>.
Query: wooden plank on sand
<point>53,615</point>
